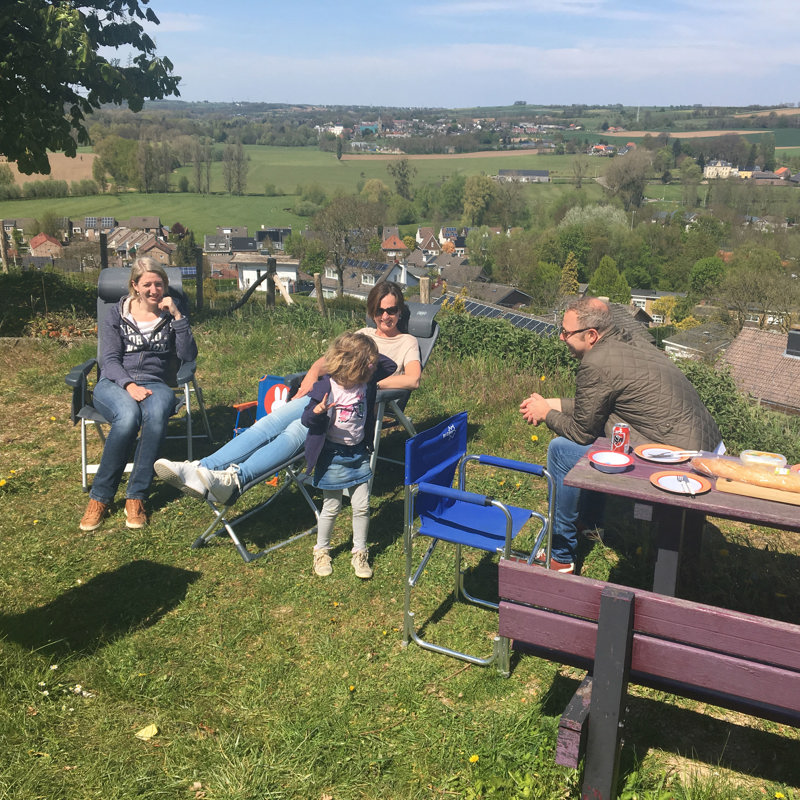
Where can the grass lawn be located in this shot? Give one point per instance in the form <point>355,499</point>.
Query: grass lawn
<point>265,681</point>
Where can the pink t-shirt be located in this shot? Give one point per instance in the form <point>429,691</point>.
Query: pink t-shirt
<point>349,414</point>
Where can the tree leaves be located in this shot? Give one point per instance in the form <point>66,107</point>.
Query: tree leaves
<point>52,74</point>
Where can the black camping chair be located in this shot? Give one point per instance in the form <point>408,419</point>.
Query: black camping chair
<point>111,286</point>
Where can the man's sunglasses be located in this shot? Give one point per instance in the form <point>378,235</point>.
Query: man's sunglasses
<point>391,311</point>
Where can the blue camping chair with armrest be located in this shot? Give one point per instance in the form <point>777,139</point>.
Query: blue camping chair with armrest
<point>112,284</point>
<point>433,508</point>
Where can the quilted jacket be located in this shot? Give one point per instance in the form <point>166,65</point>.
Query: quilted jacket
<point>629,380</point>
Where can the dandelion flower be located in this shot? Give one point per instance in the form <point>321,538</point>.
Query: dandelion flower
<point>351,688</point>
<point>2,481</point>
<point>36,522</point>
<point>534,438</point>
<point>52,419</point>
<point>780,796</point>
<point>473,759</point>
<point>542,378</point>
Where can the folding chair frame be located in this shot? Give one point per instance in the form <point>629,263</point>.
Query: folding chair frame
<point>293,475</point>
<point>501,645</point>
<point>86,414</point>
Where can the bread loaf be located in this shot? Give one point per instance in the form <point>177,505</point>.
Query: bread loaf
<point>747,473</point>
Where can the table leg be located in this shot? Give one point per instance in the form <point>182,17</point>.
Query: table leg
<point>693,533</point>
<point>671,522</point>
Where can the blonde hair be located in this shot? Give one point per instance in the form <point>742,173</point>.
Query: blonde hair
<point>350,358</point>
<point>142,265</point>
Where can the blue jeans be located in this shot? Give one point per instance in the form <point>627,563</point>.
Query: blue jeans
<point>562,455</point>
<point>127,417</point>
<point>265,445</point>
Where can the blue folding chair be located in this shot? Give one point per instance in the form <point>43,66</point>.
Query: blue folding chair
<point>435,509</point>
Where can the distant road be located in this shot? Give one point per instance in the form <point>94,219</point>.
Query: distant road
<point>678,135</point>
<point>431,156</point>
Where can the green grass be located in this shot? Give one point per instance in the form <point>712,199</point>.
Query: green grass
<point>267,682</point>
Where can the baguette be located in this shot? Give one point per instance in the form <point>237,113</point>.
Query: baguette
<point>771,477</point>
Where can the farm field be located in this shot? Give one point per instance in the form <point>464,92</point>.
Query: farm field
<point>287,169</point>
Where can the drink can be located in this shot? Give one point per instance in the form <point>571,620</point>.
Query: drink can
<point>620,437</point>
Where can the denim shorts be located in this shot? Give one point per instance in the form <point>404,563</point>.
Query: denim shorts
<point>341,465</point>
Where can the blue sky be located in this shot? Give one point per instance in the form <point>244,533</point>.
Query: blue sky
<point>463,53</point>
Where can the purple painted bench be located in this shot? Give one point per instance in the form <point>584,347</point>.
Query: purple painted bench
<point>738,661</point>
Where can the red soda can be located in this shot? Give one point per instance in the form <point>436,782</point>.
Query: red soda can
<point>620,437</point>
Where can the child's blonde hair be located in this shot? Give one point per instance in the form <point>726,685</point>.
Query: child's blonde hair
<point>350,358</point>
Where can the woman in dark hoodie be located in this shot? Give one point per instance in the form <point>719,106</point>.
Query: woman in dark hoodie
<point>140,338</point>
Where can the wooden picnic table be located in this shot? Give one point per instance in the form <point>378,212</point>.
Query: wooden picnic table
<point>680,517</point>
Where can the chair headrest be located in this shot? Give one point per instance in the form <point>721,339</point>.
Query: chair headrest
<point>421,320</point>
<point>112,283</point>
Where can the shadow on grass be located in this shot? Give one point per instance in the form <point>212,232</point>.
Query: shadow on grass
<point>739,571</point>
<point>107,607</point>
<point>653,724</point>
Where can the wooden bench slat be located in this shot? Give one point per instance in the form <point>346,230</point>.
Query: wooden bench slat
<point>714,677</point>
<point>732,632</point>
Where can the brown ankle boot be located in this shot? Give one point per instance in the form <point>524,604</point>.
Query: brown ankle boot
<point>94,515</point>
<point>135,513</point>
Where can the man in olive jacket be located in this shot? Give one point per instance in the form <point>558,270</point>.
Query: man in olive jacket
<point>620,379</point>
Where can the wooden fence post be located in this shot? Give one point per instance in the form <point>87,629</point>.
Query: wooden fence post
<point>320,299</point>
<point>425,290</point>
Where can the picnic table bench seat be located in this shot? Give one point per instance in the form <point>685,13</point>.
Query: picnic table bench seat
<point>727,658</point>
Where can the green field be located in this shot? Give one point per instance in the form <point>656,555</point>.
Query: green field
<point>288,168</point>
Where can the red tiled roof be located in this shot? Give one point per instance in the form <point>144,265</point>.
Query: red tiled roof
<point>393,243</point>
<point>41,238</point>
<point>762,369</point>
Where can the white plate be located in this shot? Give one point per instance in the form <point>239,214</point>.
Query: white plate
<point>660,453</point>
<point>610,461</point>
<point>673,482</point>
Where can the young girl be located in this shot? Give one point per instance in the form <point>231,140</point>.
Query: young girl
<point>340,417</point>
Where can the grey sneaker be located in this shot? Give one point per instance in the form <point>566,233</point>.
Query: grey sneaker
<point>322,562</point>
<point>222,485</point>
<point>361,565</point>
<point>182,475</point>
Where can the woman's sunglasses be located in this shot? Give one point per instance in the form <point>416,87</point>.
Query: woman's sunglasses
<point>391,311</point>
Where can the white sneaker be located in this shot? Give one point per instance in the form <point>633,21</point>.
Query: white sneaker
<point>361,565</point>
<point>322,562</point>
<point>182,475</point>
<point>222,485</point>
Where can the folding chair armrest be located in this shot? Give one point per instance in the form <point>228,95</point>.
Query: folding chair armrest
<point>246,406</point>
<point>386,395</point>
<point>77,376</point>
<point>507,463</point>
<point>454,494</point>
<point>293,381</point>
<point>186,372</point>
